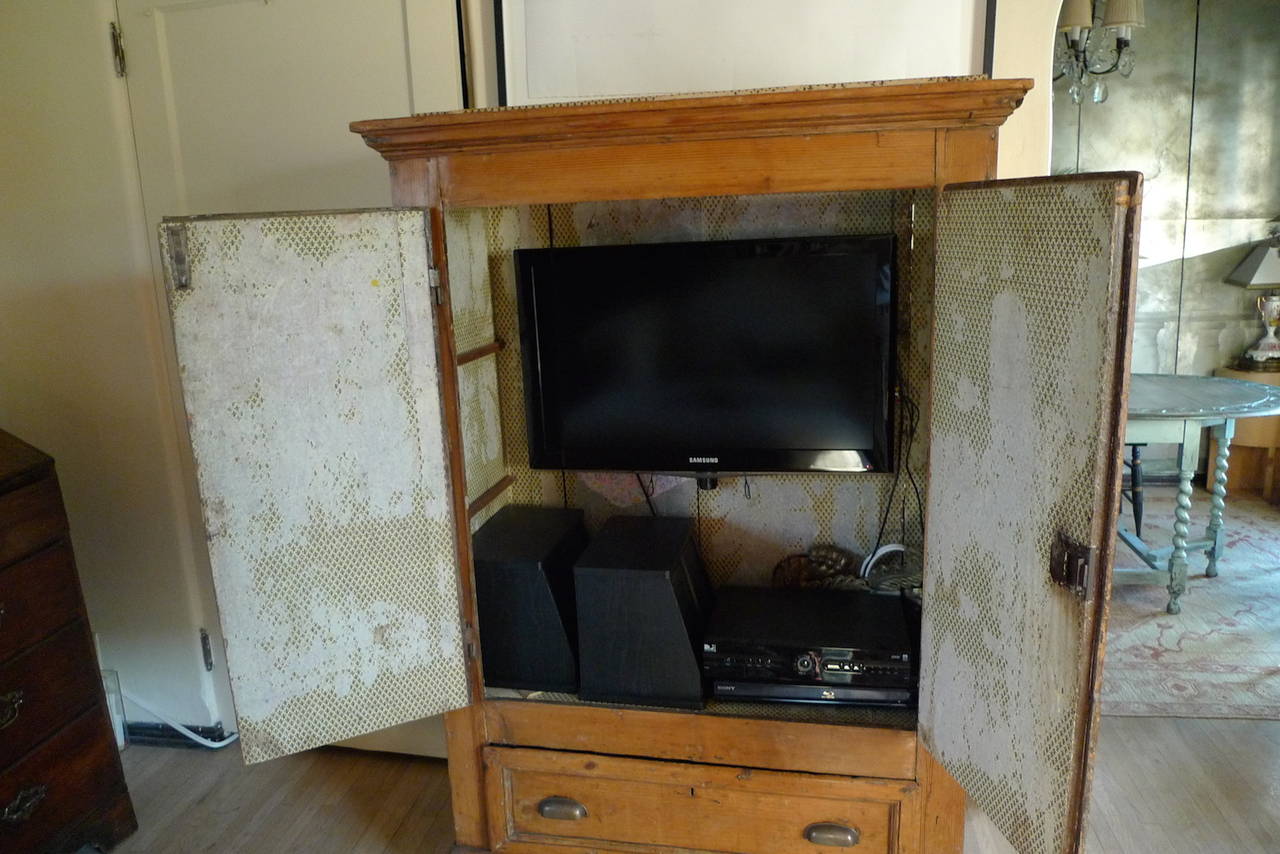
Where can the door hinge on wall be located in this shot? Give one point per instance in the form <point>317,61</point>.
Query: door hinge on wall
<point>117,49</point>
<point>206,647</point>
<point>1071,565</point>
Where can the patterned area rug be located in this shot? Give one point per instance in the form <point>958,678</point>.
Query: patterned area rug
<point>1219,658</point>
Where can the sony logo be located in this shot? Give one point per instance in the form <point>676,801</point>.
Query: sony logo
<point>704,459</point>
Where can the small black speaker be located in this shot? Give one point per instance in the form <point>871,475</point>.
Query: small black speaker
<point>524,592</point>
<point>643,602</point>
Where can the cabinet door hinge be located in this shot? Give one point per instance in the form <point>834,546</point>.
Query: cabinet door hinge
<point>179,260</point>
<point>117,49</point>
<point>206,648</point>
<point>1071,565</point>
<point>433,277</point>
<point>471,644</point>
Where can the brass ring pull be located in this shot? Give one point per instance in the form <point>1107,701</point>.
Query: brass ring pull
<point>561,809</point>
<point>10,704</point>
<point>21,807</point>
<point>831,834</point>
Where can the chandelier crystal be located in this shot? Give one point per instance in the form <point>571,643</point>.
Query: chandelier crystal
<point>1096,41</point>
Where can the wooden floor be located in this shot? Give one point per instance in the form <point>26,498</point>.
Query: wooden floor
<point>1176,785</point>
<point>1162,785</point>
<point>330,800</point>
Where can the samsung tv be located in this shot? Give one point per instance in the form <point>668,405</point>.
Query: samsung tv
<point>766,355</point>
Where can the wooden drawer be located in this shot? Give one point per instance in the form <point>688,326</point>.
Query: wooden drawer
<point>44,688</point>
<point>645,806</point>
<point>36,597</point>
<point>31,518</point>
<point>48,793</point>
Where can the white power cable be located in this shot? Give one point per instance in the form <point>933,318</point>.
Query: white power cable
<point>197,738</point>
<point>875,557</point>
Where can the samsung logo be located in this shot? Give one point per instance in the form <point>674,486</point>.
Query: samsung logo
<point>704,459</point>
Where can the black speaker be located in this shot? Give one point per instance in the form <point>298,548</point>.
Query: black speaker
<point>524,592</point>
<point>643,602</point>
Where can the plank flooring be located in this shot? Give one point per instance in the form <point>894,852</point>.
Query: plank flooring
<point>1175,785</point>
<point>329,800</point>
<point>1167,785</point>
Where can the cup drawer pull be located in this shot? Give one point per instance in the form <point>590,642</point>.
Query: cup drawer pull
<point>21,807</point>
<point>561,809</point>
<point>834,835</point>
<point>10,705</point>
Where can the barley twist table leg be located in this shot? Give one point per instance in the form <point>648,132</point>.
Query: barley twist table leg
<point>1223,433</point>
<point>1181,527</point>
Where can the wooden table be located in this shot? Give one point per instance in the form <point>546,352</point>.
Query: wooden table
<point>1174,409</point>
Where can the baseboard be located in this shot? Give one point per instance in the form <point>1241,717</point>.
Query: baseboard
<point>163,735</point>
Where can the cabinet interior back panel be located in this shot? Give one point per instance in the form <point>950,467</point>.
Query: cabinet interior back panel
<point>748,524</point>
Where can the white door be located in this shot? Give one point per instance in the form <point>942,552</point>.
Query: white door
<point>307,346</point>
<point>243,105</point>
<point>1030,362</point>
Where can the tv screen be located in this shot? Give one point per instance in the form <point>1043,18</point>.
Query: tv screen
<point>726,356</point>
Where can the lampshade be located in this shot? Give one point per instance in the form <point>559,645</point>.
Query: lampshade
<point>1076,14</point>
<point>1260,268</point>
<point>1124,13</point>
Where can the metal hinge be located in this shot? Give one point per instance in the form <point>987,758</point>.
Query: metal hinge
<point>433,277</point>
<point>179,259</point>
<point>469,642</point>
<point>206,647</point>
<point>117,49</point>
<point>1071,565</point>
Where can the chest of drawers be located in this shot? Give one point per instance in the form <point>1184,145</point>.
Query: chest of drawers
<point>61,784</point>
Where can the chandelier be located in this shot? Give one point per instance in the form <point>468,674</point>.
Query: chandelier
<point>1095,44</point>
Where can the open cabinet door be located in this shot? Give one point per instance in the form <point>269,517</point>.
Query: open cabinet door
<point>1030,365</point>
<point>307,346</point>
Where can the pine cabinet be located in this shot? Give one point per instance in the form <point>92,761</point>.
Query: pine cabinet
<point>352,386</point>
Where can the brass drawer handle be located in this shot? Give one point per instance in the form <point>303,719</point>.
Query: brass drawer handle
<point>10,704</point>
<point>561,809</point>
<point>834,835</point>
<point>21,807</point>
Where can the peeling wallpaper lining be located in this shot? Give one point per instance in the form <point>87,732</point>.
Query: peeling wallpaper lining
<point>306,346</point>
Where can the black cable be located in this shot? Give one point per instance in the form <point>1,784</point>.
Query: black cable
<point>911,476</point>
<point>697,515</point>
<point>645,493</point>
<point>893,489</point>
<point>564,489</point>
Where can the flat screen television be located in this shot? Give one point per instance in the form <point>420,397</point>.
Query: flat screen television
<point>710,357</point>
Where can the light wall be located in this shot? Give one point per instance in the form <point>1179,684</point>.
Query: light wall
<point>1024,31</point>
<point>79,349</point>
<point>562,50</point>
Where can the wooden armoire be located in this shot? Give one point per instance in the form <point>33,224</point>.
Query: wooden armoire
<point>352,381</point>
